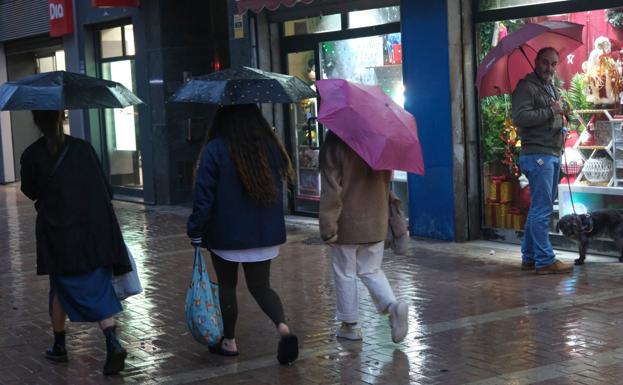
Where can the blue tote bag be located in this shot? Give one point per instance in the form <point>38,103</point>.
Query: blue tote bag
<point>203,313</point>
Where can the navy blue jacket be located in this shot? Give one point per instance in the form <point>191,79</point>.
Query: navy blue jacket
<point>224,215</point>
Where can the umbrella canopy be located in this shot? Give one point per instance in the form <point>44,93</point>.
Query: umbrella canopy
<point>513,57</point>
<point>60,90</point>
<point>380,131</point>
<point>243,85</point>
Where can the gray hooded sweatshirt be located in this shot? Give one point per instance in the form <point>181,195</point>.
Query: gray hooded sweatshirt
<point>540,129</point>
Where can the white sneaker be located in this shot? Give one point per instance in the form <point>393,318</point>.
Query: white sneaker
<point>399,320</point>
<point>349,332</point>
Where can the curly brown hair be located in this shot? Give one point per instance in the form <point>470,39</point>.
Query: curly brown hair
<point>252,144</point>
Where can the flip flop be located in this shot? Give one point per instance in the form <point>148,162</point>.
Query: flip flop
<point>288,349</point>
<point>218,349</point>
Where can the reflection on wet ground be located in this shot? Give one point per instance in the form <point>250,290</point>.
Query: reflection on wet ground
<point>474,316</point>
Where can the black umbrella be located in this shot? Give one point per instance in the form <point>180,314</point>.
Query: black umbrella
<point>60,90</point>
<point>243,85</point>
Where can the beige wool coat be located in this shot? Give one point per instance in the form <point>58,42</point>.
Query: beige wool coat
<point>354,202</point>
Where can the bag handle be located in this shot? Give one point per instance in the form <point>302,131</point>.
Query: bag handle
<point>198,258</point>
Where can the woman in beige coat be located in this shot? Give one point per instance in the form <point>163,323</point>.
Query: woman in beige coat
<point>353,220</point>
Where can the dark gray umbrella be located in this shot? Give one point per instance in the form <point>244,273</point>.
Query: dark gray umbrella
<point>243,85</point>
<point>60,90</point>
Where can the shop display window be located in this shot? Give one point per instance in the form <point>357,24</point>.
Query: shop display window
<point>371,17</point>
<point>306,138</point>
<point>373,60</point>
<point>309,25</point>
<point>591,82</point>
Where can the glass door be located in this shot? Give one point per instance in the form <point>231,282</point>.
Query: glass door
<point>306,136</point>
<point>122,134</point>
<point>375,60</point>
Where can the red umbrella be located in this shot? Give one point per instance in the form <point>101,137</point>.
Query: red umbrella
<point>380,131</point>
<point>513,57</point>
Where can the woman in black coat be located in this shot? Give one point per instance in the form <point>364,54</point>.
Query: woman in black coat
<point>79,243</point>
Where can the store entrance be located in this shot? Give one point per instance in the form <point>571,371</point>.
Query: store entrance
<point>121,133</point>
<point>347,46</point>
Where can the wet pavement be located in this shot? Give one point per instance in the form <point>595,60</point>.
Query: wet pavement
<point>474,316</point>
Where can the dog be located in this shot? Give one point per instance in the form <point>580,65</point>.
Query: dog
<point>600,223</point>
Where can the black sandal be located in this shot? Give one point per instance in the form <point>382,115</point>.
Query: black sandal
<point>218,349</point>
<point>288,349</point>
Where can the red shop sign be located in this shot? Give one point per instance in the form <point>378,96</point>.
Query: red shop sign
<point>115,3</point>
<point>61,17</point>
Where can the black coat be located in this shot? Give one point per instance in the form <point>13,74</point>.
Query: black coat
<point>76,227</point>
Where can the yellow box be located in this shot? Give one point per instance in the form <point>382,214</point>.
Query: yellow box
<point>490,214</point>
<point>518,221</point>
<point>501,209</point>
<point>508,221</point>
<point>506,192</point>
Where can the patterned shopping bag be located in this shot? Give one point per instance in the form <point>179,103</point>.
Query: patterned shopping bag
<point>203,313</point>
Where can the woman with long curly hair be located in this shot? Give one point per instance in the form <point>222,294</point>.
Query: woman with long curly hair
<point>238,215</point>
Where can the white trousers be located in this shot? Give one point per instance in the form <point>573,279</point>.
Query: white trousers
<point>363,261</point>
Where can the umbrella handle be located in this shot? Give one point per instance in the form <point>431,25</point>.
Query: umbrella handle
<point>526,56</point>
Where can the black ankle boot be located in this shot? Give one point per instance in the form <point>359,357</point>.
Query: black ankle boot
<point>115,353</point>
<point>58,352</point>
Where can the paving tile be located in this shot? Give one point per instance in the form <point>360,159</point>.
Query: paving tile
<point>474,317</point>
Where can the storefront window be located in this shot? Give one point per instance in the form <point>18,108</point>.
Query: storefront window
<point>591,83</point>
<point>306,139</point>
<point>369,60</point>
<point>375,60</point>
<point>486,5</point>
<point>46,64</point>
<point>121,124</point>
<point>129,40</point>
<point>370,17</point>
<point>309,25</point>
<point>111,42</point>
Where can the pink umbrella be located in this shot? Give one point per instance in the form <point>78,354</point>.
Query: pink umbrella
<point>513,57</point>
<point>383,133</point>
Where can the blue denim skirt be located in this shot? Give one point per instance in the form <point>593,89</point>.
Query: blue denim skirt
<point>86,297</point>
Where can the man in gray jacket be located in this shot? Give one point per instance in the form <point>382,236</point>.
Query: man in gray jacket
<point>538,113</point>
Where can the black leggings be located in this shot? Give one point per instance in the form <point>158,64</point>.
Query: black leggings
<point>257,275</point>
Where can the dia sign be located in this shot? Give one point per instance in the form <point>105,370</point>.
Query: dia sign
<point>61,17</point>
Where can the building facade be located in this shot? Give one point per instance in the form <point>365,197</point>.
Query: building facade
<point>148,151</point>
<point>467,191</point>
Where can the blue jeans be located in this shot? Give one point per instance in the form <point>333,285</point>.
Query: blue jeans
<point>543,173</point>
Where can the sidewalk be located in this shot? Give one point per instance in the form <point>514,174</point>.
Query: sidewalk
<point>475,317</point>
